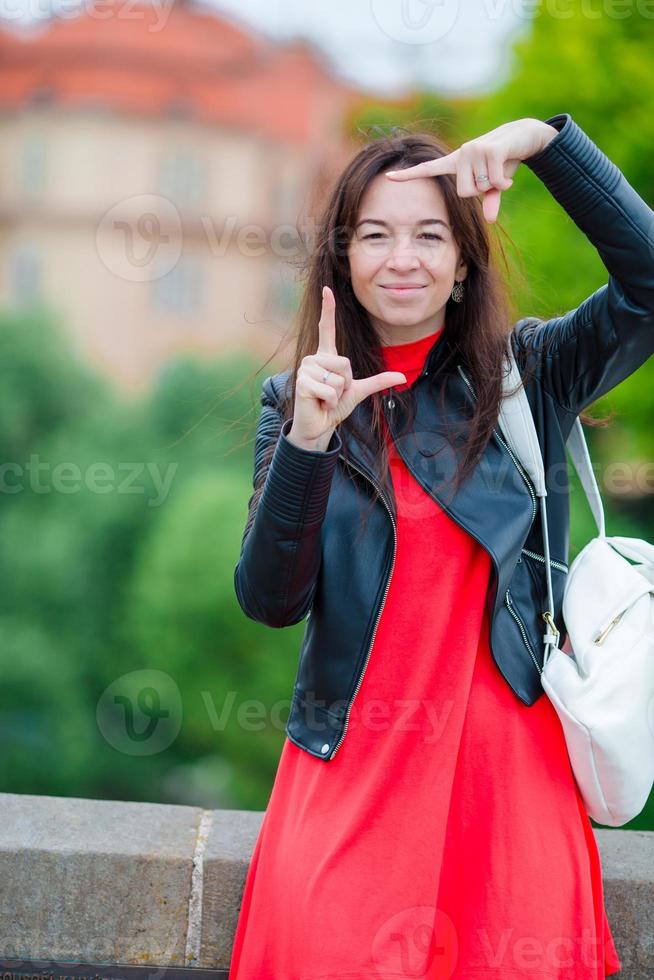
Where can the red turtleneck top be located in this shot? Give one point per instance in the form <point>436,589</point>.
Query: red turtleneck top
<point>447,838</point>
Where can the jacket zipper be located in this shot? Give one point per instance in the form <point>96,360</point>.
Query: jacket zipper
<point>555,564</point>
<point>521,627</point>
<point>381,605</point>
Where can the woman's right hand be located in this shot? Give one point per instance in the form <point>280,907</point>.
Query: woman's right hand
<point>321,405</point>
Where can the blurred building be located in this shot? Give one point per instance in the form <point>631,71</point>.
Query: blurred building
<point>155,163</point>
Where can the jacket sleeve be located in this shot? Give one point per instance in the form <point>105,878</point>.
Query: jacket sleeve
<point>276,574</point>
<point>591,349</point>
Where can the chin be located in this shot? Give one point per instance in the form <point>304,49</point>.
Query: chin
<point>404,318</point>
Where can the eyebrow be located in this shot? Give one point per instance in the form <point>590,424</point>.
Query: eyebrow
<point>424,221</point>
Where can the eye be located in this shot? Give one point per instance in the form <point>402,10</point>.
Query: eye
<point>425,234</point>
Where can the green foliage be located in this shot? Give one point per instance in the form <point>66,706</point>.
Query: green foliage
<point>609,96</point>
<point>121,525</point>
<point>183,618</point>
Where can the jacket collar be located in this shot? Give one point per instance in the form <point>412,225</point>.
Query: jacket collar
<point>354,449</point>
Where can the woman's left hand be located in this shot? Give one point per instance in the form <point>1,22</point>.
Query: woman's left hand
<point>495,156</point>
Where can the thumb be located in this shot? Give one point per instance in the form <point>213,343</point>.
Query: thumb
<point>377,382</point>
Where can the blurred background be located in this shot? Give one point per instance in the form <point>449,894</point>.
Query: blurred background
<point>162,166</point>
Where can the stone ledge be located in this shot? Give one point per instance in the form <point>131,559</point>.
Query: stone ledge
<point>101,881</point>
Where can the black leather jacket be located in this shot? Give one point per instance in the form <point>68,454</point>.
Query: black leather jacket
<point>297,559</point>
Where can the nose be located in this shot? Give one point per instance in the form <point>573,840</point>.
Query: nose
<point>403,257</point>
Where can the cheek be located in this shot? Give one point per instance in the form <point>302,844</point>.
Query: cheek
<point>362,269</point>
<point>442,265</point>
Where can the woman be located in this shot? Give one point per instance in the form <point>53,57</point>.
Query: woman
<point>424,820</point>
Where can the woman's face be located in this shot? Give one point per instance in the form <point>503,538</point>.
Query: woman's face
<point>403,258</point>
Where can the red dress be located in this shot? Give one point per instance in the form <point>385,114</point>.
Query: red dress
<point>447,838</point>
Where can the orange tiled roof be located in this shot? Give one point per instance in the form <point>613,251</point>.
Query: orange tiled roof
<point>144,59</point>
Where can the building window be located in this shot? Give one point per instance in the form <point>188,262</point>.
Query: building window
<point>183,179</point>
<point>33,164</point>
<point>26,270</point>
<point>181,290</point>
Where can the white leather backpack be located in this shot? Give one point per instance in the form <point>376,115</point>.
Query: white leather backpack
<point>601,682</point>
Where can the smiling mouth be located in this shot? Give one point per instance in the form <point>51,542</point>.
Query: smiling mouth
<point>402,289</point>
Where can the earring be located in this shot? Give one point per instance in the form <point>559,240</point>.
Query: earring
<point>457,292</point>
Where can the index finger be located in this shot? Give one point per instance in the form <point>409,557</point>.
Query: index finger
<point>428,168</point>
<point>327,323</point>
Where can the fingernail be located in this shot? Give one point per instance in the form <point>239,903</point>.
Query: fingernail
<point>389,172</point>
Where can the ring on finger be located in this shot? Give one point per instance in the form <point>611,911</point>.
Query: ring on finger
<point>325,376</point>
<point>481,178</point>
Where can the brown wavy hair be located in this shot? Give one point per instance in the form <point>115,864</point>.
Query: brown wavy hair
<point>475,331</point>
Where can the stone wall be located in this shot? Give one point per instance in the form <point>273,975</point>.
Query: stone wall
<point>99,881</point>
